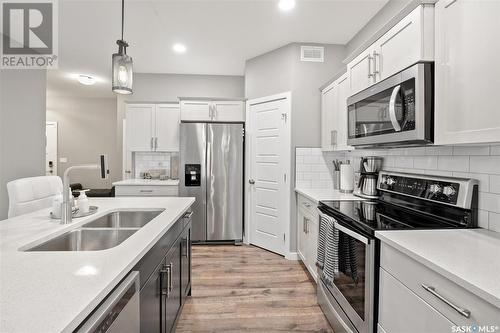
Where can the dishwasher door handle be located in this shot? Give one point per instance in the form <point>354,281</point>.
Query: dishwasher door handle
<point>110,310</point>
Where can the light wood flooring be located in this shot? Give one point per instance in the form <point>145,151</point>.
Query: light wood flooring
<point>247,289</point>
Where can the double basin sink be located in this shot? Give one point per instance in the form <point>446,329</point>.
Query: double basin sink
<point>102,233</point>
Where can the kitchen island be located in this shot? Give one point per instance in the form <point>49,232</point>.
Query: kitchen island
<point>56,291</point>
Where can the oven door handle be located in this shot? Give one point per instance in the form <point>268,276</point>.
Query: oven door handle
<point>392,108</point>
<point>352,233</point>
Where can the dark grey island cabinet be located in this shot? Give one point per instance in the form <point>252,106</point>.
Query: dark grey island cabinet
<point>165,275</point>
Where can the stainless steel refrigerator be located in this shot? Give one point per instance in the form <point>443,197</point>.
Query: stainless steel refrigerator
<point>212,171</point>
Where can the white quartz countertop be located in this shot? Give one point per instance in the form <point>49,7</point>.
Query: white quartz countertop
<point>56,291</point>
<point>466,257</point>
<point>146,182</point>
<point>318,194</point>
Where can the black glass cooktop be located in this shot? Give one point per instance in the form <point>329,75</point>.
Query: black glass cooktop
<point>370,216</point>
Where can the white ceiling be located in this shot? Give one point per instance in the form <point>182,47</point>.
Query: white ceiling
<point>219,35</point>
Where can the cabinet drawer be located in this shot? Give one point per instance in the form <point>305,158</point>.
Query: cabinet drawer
<point>146,191</point>
<point>308,205</point>
<point>415,276</point>
<point>400,310</point>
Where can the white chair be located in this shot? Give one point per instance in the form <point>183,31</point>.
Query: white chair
<point>27,195</point>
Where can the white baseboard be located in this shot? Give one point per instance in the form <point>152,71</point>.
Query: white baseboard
<point>292,256</point>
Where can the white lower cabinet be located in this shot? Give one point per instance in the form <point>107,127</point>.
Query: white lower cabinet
<point>307,233</point>
<point>415,298</point>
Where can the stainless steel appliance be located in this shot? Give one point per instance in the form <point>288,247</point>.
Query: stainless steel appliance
<point>408,201</point>
<point>369,168</point>
<point>120,311</point>
<point>212,171</point>
<point>397,111</point>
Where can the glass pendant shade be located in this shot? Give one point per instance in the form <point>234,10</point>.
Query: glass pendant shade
<point>122,70</point>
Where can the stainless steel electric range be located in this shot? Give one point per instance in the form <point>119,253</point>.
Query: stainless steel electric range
<point>407,201</point>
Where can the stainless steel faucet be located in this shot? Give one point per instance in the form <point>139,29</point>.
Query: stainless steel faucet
<point>66,209</point>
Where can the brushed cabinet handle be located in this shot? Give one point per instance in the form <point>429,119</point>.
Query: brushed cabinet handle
<point>156,142</point>
<point>370,74</point>
<point>304,225</point>
<point>464,312</point>
<point>151,143</point>
<point>184,245</point>
<point>375,55</point>
<point>164,271</point>
<point>333,137</point>
<point>307,204</point>
<point>188,215</point>
<point>170,273</point>
<point>146,191</point>
<point>251,181</point>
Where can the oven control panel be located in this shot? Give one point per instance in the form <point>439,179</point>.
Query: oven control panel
<point>430,189</point>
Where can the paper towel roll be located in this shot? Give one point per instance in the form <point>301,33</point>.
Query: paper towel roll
<point>346,178</point>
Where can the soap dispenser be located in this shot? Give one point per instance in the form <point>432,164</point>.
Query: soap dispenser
<point>83,202</point>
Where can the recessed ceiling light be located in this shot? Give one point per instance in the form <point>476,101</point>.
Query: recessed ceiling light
<point>285,5</point>
<point>86,80</point>
<point>179,48</point>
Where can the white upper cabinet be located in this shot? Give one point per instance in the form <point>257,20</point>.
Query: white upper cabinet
<point>196,110</point>
<point>328,100</point>
<point>140,127</point>
<point>209,110</point>
<point>342,94</point>
<point>229,111</point>
<point>409,41</point>
<point>152,127</point>
<point>167,127</point>
<point>467,72</point>
<point>334,115</point>
<point>361,72</point>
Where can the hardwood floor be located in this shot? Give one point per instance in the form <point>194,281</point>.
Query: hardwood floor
<point>247,289</point>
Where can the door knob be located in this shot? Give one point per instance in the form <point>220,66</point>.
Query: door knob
<point>251,181</point>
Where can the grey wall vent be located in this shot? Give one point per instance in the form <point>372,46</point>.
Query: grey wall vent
<point>312,53</point>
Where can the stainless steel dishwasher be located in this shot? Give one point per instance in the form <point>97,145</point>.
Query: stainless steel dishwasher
<point>120,311</point>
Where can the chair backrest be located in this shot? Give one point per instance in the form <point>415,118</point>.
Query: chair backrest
<point>27,195</point>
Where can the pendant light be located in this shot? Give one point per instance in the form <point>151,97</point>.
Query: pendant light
<point>122,65</point>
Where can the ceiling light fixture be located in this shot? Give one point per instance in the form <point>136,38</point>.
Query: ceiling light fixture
<point>86,80</point>
<point>179,48</point>
<point>122,65</point>
<point>286,5</point>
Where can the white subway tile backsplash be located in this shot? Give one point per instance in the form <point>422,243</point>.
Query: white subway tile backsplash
<point>494,184</point>
<point>403,162</point>
<point>425,162</point>
<point>494,221</point>
<point>485,164</point>
<point>478,162</point>
<point>453,163</point>
<point>471,150</point>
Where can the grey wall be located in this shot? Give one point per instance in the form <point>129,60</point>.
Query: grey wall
<point>169,87</point>
<point>281,70</point>
<point>22,127</point>
<point>391,9</point>
<point>86,128</point>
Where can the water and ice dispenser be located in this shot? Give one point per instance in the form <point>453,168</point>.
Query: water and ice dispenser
<point>192,174</point>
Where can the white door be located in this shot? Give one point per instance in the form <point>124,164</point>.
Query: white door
<point>167,127</point>
<point>467,72</point>
<point>269,161</point>
<point>229,111</point>
<point>196,110</point>
<point>140,123</point>
<point>51,148</point>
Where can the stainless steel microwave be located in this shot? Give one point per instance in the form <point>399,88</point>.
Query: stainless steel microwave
<point>398,111</point>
